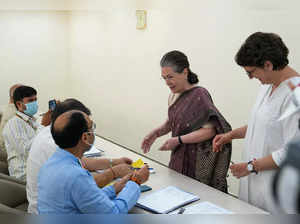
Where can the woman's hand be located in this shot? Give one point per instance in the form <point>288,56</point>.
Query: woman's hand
<point>239,170</point>
<point>220,140</point>
<point>170,144</point>
<point>148,141</point>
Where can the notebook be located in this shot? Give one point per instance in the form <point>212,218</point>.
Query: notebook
<point>204,208</point>
<point>93,152</point>
<point>165,200</point>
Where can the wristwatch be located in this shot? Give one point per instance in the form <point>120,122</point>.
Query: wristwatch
<point>250,167</point>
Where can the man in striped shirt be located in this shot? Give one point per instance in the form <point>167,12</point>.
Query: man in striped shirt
<point>20,130</point>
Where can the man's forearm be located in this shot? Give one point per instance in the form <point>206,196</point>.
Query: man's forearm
<point>104,178</point>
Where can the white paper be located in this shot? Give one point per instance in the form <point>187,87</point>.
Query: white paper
<point>166,200</point>
<point>94,151</point>
<point>204,208</point>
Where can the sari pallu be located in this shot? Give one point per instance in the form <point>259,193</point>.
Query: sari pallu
<point>193,109</point>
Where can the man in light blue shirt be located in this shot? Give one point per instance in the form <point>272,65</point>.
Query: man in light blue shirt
<point>65,187</point>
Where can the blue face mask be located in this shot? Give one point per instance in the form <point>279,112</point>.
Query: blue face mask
<point>31,108</point>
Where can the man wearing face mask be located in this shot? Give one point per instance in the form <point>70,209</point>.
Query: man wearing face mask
<point>65,187</point>
<point>20,130</point>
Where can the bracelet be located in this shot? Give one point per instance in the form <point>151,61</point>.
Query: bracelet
<point>110,163</point>
<point>114,175</point>
<point>179,140</point>
<point>134,179</point>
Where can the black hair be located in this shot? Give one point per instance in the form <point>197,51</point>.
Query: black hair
<point>261,47</point>
<point>70,134</point>
<point>178,61</point>
<point>67,105</point>
<point>21,92</point>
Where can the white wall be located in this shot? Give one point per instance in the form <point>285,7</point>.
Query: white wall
<point>34,51</point>
<point>94,53</point>
<point>115,68</point>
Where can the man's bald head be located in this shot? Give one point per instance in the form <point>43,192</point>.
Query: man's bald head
<point>11,92</point>
<point>68,128</point>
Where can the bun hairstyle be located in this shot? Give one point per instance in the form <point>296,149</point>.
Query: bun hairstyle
<point>178,61</point>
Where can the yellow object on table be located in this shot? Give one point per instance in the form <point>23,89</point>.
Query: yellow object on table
<point>138,164</point>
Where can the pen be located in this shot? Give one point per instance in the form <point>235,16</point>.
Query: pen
<point>181,211</point>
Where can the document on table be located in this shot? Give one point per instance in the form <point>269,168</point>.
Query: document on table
<point>204,208</point>
<point>93,152</point>
<point>166,200</point>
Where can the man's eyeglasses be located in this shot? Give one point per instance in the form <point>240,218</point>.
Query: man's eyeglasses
<point>92,129</point>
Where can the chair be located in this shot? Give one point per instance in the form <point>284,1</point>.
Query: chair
<point>12,179</point>
<point>12,197</point>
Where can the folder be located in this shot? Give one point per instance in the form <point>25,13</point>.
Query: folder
<point>166,200</point>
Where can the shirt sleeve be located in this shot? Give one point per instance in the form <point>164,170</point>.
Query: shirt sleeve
<point>93,200</point>
<point>289,130</point>
<point>19,140</point>
<point>110,191</point>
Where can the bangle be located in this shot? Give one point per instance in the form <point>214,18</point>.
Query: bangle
<point>114,175</point>
<point>134,179</point>
<point>110,163</point>
<point>179,140</point>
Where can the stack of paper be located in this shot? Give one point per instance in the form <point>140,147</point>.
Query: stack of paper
<point>94,152</point>
<point>166,200</point>
<point>205,208</point>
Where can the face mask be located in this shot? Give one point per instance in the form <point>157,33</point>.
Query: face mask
<point>31,108</point>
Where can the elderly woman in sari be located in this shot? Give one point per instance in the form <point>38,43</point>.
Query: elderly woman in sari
<point>193,120</point>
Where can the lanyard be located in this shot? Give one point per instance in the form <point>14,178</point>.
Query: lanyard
<point>28,122</point>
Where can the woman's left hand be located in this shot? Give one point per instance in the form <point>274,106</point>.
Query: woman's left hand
<point>170,144</point>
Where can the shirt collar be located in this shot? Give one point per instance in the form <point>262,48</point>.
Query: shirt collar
<point>68,155</point>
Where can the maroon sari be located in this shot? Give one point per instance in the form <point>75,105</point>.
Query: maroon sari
<point>193,109</point>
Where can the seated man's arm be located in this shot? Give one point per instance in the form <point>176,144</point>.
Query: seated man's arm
<point>90,199</point>
<point>110,174</point>
<point>101,163</point>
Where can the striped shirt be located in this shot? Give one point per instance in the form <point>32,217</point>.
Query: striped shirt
<point>18,135</point>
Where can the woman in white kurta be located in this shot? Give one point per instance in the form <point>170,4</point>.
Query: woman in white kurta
<point>264,57</point>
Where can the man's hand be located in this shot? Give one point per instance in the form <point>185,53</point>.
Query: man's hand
<point>148,141</point>
<point>121,183</point>
<point>239,170</point>
<point>170,144</point>
<point>142,174</point>
<point>122,170</point>
<point>123,160</point>
<point>220,140</point>
<point>46,120</point>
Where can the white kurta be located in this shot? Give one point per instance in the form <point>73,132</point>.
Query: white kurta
<point>266,135</point>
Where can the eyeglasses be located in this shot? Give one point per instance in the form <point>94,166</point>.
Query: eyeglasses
<point>92,129</point>
<point>249,73</point>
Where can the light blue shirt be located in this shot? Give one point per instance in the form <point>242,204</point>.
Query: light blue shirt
<point>65,187</point>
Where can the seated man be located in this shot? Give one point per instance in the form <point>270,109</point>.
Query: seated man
<point>65,187</point>
<point>20,130</point>
<point>43,146</point>
<point>8,112</point>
